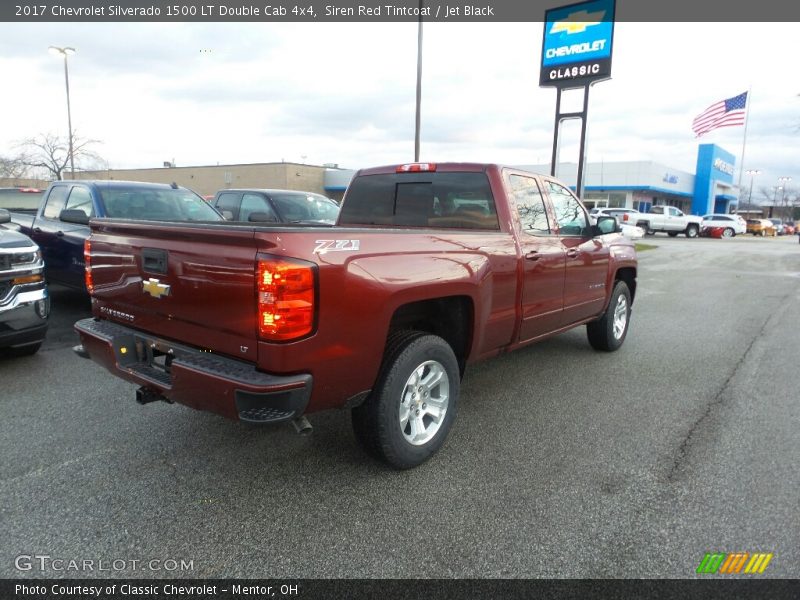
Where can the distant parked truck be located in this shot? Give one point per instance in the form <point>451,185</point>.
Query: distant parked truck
<point>671,221</point>
<point>61,223</point>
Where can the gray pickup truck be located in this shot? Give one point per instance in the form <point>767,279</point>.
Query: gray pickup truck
<point>24,301</point>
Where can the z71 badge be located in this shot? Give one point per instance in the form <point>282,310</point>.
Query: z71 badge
<point>324,246</point>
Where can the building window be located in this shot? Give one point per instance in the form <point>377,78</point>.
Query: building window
<point>617,200</point>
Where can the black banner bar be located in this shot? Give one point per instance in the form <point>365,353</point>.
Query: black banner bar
<point>380,10</point>
<point>395,589</point>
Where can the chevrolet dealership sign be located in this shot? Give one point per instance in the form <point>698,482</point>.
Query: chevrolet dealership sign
<point>576,49</point>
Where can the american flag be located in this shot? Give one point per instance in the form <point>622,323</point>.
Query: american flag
<point>725,113</point>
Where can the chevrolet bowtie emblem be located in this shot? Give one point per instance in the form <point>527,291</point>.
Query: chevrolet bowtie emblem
<point>155,288</point>
<point>577,22</point>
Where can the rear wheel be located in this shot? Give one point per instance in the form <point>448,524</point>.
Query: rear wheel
<point>728,232</point>
<point>608,333</point>
<point>692,231</point>
<point>410,411</point>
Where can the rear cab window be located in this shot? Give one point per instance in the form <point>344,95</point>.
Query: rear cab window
<point>440,200</point>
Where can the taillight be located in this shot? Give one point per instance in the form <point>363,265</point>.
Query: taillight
<point>286,295</point>
<point>87,261</point>
<point>624,216</point>
<point>417,168</point>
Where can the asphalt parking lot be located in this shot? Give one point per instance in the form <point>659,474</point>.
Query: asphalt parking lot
<point>564,462</point>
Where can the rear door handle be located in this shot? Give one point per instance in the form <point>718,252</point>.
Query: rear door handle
<point>533,255</point>
<point>572,253</point>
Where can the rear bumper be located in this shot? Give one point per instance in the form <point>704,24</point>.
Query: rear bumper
<point>23,318</point>
<point>186,375</point>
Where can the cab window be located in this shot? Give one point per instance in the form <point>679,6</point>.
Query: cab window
<point>253,203</point>
<point>530,205</point>
<point>55,201</point>
<point>80,199</point>
<point>570,215</point>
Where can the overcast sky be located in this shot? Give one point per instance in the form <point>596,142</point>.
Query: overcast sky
<point>344,93</point>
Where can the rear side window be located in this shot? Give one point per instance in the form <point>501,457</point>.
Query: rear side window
<point>55,201</point>
<point>434,200</point>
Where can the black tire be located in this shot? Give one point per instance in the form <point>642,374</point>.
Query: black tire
<point>692,231</point>
<point>377,422</point>
<point>672,233</point>
<point>646,228</point>
<point>602,333</point>
<point>728,232</point>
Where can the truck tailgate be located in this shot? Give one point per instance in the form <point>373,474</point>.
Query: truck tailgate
<point>191,283</point>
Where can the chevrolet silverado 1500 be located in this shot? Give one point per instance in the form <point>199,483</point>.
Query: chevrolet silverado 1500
<point>429,268</point>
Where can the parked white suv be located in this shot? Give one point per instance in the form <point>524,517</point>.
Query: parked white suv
<point>733,224</point>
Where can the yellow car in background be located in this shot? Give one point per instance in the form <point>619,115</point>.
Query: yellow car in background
<point>762,227</point>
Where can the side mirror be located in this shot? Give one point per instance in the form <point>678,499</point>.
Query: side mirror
<point>261,217</point>
<point>74,216</point>
<point>606,224</point>
<point>5,216</point>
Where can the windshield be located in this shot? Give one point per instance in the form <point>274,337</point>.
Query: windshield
<point>294,208</point>
<point>156,204</point>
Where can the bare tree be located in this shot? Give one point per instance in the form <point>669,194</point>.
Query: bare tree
<point>12,167</point>
<point>50,152</point>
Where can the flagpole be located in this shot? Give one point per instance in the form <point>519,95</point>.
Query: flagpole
<point>744,140</point>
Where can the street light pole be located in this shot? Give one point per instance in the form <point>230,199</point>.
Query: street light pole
<point>752,173</point>
<point>66,52</point>
<point>419,85</point>
<point>784,180</point>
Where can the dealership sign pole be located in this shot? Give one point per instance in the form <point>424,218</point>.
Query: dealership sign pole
<point>576,53</point>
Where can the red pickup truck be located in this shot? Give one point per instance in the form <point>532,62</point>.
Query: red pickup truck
<point>429,268</point>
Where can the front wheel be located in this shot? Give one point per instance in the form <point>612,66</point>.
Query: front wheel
<point>413,405</point>
<point>609,331</point>
<point>691,231</point>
